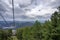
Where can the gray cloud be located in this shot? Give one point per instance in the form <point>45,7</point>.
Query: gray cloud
<point>22,7</point>
<point>55,4</point>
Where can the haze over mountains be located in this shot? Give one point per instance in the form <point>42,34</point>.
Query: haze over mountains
<point>18,24</point>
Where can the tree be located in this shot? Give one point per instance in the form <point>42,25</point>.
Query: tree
<point>19,34</point>
<point>55,19</point>
<point>37,30</point>
<point>5,34</point>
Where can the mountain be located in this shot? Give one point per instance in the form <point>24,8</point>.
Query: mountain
<point>18,24</point>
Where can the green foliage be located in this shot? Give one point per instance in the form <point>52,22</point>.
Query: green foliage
<point>19,34</point>
<point>55,19</point>
<point>30,33</point>
<point>5,34</point>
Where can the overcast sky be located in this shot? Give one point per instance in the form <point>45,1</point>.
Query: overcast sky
<point>28,10</point>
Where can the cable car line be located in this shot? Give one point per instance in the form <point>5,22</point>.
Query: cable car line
<point>13,15</point>
<point>13,12</point>
<point>4,19</point>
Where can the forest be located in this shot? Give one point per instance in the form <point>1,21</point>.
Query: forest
<point>50,30</point>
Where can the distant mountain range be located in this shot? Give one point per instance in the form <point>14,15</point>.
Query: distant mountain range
<point>18,24</point>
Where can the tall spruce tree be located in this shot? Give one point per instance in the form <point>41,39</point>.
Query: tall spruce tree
<point>55,19</point>
<point>37,30</point>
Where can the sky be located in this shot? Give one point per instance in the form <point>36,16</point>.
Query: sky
<point>28,10</point>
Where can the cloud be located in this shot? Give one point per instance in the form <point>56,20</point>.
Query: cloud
<point>29,9</point>
<point>40,11</point>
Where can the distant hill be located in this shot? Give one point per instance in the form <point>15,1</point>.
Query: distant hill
<point>17,24</point>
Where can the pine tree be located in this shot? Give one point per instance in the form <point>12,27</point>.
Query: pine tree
<point>37,30</point>
<point>55,19</point>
